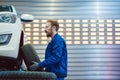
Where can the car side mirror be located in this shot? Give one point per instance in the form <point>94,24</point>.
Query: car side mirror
<point>27,18</point>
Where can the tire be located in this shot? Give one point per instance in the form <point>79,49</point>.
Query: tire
<point>6,63</point>
<point>29,55</point>
<point>26,75</point>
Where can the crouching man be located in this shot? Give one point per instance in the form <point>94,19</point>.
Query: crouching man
<point>56,52</point>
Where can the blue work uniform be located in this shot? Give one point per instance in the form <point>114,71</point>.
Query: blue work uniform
<point>56,57</point>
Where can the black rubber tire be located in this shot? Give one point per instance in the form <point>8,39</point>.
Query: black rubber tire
<point>29,55</point>
<point>26,75</point>
<point>7,63</point>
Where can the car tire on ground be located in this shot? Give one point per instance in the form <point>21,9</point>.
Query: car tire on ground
<point>26,75</point>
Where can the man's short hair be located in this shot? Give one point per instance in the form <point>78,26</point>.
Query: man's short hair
<point>54,23</point>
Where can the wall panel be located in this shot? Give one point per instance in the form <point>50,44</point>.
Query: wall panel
<point>67,9</point>
<point>91,29</point>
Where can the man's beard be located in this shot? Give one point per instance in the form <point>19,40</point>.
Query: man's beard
<point>48,34</point>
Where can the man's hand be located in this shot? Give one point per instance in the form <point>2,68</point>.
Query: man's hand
<point>34,66</point>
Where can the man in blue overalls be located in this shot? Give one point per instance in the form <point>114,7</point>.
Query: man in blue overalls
<point>56,52</point>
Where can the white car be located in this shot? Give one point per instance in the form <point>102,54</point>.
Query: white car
<point>11,37</point>
<point>12,51</point>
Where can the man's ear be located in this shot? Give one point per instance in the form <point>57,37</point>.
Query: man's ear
<point>54,28</point>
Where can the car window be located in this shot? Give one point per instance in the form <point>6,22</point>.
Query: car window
<point>5,8</point>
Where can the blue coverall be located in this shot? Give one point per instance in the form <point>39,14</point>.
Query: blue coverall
<point>56,57</point>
